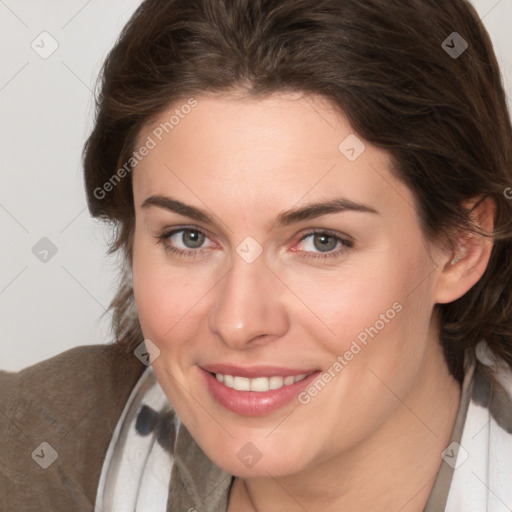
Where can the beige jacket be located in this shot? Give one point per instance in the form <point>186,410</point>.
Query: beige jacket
<point>72,403</point>
<point>57,419</point>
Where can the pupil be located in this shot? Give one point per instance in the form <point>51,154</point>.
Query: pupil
<point>193,239</point>
<point>325,243</point>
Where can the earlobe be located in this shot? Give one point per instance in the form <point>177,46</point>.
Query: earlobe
<point>465,265</point>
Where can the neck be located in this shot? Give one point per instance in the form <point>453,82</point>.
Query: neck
<point>393,469</point>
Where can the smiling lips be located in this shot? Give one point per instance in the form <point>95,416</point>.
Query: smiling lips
<point>255,391</point>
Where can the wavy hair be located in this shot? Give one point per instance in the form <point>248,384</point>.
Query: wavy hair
<point>386,64</point>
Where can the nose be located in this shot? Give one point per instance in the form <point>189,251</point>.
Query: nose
<point>247,307</point>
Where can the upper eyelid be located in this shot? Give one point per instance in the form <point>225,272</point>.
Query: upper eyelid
<point>330,232</point>
<point>168,232</point>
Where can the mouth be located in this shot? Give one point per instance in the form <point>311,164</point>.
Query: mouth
<point>255,391</point>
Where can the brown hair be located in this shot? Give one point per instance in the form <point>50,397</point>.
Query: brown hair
<point>443,118</point>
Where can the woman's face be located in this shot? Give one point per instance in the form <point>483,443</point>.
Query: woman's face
<point>271,243</point>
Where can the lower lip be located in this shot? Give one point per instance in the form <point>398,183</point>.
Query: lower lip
<point>255,403</point>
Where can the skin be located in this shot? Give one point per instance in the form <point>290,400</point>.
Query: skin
<point>392,408</point>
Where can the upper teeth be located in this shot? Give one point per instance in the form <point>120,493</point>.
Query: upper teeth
<point>259,383</point>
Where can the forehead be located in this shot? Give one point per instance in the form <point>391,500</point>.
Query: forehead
<point>270,151</point>
<point>280,125</point>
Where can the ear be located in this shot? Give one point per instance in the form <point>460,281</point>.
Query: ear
<point>463,266</point>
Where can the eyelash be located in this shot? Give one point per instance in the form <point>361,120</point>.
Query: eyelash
<point>347,244</point>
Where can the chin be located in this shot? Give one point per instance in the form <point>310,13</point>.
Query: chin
<point>275,465</point>
<point>251,456</point>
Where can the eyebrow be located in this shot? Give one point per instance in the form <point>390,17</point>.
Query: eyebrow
<point>307,212</point>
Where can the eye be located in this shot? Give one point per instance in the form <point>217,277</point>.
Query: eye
<point>188,238</point>
<point>185,242</point>
<point>322,244</point>
<point>193,243</point>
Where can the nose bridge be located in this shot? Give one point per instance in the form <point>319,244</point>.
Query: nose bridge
<point>246,305</point>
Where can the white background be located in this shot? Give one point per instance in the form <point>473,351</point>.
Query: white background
<point>46,108</point>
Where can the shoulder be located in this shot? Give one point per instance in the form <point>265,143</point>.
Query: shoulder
<point>63,388</point>
<point>493,387</point>
<point>483,457</point>
<point>57,418</point>
<point>86,368</point>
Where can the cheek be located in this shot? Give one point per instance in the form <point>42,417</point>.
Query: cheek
<point>159,305</point>
<point>384,303</point>
<point>164,305</point>
<point>339,305</point>
<point>170,299</point>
